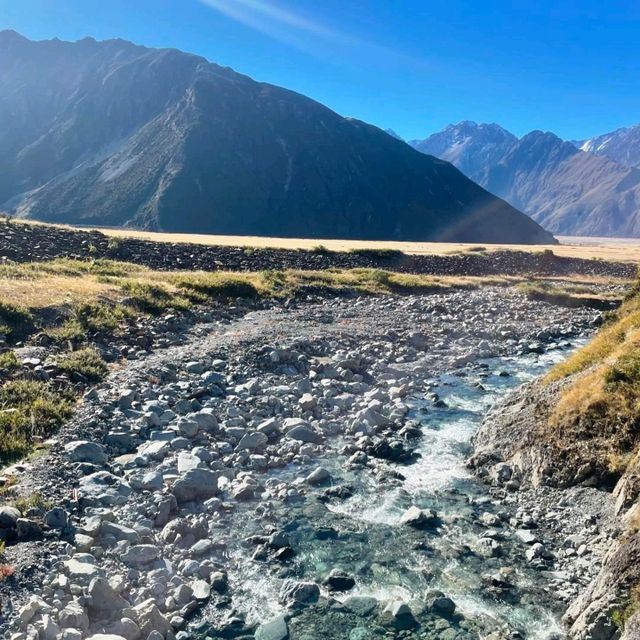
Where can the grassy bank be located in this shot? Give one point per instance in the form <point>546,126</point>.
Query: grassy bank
<point>598,414</point>
<point>73,306</point>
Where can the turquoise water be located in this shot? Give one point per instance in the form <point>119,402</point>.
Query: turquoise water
<point>390,561</point>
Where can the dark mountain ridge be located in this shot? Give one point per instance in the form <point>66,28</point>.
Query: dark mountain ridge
<point>112,133</point>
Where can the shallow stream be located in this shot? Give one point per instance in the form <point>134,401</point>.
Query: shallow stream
<point>362,535</point>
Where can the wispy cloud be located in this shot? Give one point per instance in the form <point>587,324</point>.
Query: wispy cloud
<point>303,32</point>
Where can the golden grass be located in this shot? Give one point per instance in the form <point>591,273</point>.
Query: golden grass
<point>613,249</point>
<point>597,414</point>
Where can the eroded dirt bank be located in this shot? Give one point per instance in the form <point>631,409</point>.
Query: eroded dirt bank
<point>299,473</point>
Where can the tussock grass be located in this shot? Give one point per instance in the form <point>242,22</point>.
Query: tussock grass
<point>86,362</point>
<point>8,361</point>
<point>598,414</point>
<point>567,294</point>
<point>29,410</point>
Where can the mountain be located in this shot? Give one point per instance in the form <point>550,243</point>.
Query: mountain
<point>393,134</point>
<point>469,146</point>
<point>568,191</point>
<point>622,145</point>
<point>111,133</point>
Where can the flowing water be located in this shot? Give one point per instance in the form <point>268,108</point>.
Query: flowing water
<point>362,535</point>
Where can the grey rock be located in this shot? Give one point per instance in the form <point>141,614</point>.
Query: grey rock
<point>197,484</point>
<point>103,600</point>
<point>85,451</point>
<point>141,554</point>
<point>275,629</point>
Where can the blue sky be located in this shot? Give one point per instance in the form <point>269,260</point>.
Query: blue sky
<point>568,67</point>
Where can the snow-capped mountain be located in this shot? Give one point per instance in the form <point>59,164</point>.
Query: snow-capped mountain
<point>622,145</point>
<point>566,190</point>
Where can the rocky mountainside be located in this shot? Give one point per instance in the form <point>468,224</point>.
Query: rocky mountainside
<point>621,145</point>
<point>566,190</point>
<point>111,133</point>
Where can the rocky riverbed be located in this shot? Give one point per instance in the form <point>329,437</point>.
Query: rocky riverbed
<point>299,472</point>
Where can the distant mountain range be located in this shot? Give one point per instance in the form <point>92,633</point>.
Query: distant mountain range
<point>589,187</point>
<point>622,145</point>
<point>110,133</point>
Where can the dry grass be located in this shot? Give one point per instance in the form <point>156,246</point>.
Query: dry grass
<point>598,414</point>
<point>614,249</point>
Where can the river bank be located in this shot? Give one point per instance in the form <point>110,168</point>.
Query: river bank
<point>299,472</point>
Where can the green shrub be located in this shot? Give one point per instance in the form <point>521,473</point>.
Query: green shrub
<point>153,299</point>
<point>87,362</point>
<point>9,361</point>
<point>29,408</point>
<point>378,253</point>
<point>14,320</point>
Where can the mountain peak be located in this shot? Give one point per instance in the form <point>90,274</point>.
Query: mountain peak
<point>621,145</point>
<point>162,139</point>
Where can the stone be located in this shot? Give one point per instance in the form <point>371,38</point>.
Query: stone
<point>299,593</point>
<point>252,441</point>
<point>188,428</point>
<point>27,529</point>
<point>73,616</point>
<point>201,590</point>
<point>103,600</point>
<point>119,532</point>
<point>399,615</point>
<point>9,517</point>
<point>197,484</point>
<point>85,451</point>
<point>338,580</point>
<point>442,606</point>
<point>304,433</point>
<point>140,554</point>
<point>527,536</point>
<point>106,636</point>
<point>275,629</point>
<point>56,518</point>
<point>103,487</point>
<point>318,476</point>
<point>76,569</point>
<point>419,518</point>
<point>126,628</point>
<point>150,618</point>
<point>361,605</point>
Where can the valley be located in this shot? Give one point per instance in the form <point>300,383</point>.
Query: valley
<point>285,455</point>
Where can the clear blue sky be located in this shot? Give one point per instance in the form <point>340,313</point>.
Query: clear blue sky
<point>415,66</point>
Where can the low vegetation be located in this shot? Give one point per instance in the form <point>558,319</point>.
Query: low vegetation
<point>29,411</point>
<point>568,294</point>
<point>632,606</point>
<point>599,411</point>
<point>86,362</point>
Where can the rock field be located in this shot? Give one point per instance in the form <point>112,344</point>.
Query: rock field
<point>199,489</point>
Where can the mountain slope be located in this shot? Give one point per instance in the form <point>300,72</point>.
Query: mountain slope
<point>566,190</point>
<point>622,145</point>
<point>110,133</point>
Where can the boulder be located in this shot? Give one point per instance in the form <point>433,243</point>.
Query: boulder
<point>419,518</point>
<point>56,518</point>
<point>9,517</point>
<point>299,593</point>
<point>149,618</point>
<point>103,600</point>
<point>85,451</point>
<point>304,433</point>
<point>141,554</point>
<point>252,441</point>
<point>275,629</point>
<point>318,476</point>
<point>197,484</point>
